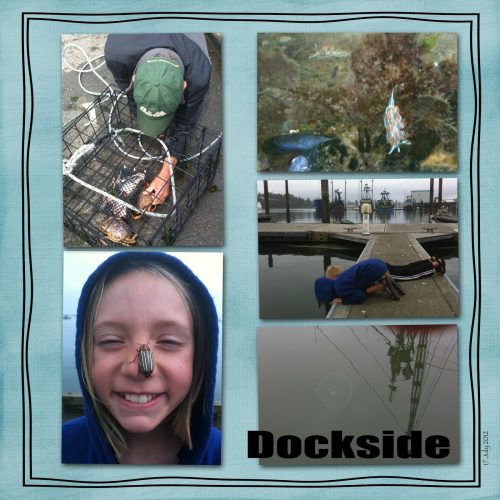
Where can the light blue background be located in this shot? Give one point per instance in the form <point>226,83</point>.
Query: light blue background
<point>43,238</point>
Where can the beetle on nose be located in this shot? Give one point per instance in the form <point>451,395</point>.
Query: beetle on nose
<point>146,361</point>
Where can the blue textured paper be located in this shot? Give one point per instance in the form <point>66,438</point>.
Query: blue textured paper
<point>32,249</point>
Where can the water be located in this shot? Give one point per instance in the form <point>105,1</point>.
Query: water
<point>308,215</point>
<point>338,85</point>
<point>70,379</point>
<point>287,274</point>
<point>452,261</point>
<point>315,380</point>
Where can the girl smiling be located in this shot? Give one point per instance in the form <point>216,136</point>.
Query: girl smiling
<point>145,309</point>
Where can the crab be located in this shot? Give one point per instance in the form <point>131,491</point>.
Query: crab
<point>118,231</point>
<point>145,202</point>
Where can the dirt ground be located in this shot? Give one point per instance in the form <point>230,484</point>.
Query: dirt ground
<point>205,226</point>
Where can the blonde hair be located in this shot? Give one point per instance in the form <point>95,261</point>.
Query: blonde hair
<point>180,418</point>
<point>332,272</point>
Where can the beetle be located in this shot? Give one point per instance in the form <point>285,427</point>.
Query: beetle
<point>146,361</point>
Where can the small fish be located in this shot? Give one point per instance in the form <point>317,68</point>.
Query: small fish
<point>293,143</point>
<point>116,208</point>
<point>327,52</point>
<point>128,185</point>
<point>299,164</point>
<point>124,187</point>
<point>394,126</point>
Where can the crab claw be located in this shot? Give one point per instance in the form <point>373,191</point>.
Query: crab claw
<point>145,202</point>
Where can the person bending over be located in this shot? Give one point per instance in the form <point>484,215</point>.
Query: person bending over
<point>353,285</point>
<point>166,77</point>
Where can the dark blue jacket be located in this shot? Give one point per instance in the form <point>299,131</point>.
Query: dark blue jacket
<point>351,284</point>
<point>123,51</point>
<point>83,441</point>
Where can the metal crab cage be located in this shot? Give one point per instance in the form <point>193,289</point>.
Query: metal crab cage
<point>106,165</point>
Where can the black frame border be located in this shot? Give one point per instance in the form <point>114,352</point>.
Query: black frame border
<point>28,477</point>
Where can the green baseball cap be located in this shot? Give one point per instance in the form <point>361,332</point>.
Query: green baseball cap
<point>158,88</point>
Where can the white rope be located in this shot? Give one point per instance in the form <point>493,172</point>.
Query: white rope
<point>114,198</point>
<point>134,131</point>
<point>69,164</point>
<point>172,184</point>
<point>206,148</point>
<point>80,71</point>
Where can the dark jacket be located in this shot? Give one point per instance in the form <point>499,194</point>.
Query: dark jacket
<point>83,440</point>
<point>122,53</point>
<point>350,284</point>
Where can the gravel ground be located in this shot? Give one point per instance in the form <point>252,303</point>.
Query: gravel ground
<point>205,226</point>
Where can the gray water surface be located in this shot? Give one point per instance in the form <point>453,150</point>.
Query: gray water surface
<point>287,275</point>
<point>361,381</point>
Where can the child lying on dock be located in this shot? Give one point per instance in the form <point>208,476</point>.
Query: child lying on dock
<point>353,285</point>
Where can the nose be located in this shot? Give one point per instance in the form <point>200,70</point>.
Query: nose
<point>146,360</point>
<point>140,363</point>
<point>130,364</point>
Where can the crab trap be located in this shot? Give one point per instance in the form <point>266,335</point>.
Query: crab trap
<point>108,165</point>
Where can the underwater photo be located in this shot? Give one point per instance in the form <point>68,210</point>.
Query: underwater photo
<point>357,102</point>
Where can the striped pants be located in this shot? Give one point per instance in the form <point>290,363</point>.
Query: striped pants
<point>411,271</point>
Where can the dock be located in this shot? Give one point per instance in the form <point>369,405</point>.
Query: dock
<point>433,297</point>
<point>319,232</point>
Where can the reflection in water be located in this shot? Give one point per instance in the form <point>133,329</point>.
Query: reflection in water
<point>287,274</point>
<point>361,380</point>
<point>310,215</point>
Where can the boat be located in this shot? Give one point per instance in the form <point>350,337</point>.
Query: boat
<point>261,214</point>
<point>318,208</point>
<point>366,198</point>
<point>442,215</point>
<point>409,203</point>
<point>337,205</point>
<point>445,218</point>
<point>384,203</point>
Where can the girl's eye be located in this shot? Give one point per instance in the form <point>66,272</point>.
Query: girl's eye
<point>170,342</point>
<point>109,342</point>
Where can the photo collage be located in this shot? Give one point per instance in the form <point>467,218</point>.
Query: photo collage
<point>357,230</point>
<point>357,202</point>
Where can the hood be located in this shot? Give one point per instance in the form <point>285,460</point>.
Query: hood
<point>324,288</point>
<point>202,411</point>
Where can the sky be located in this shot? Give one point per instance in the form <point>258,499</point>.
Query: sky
<point>397,188</point>
<point>78,265</point>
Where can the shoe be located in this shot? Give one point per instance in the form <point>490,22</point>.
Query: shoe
<point>441,268</point>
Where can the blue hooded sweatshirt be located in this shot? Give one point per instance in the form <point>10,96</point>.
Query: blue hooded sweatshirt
<point>350,284</point>
<point>83,441</point>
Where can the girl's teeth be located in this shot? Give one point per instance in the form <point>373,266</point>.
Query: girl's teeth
<point>138,398</point>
